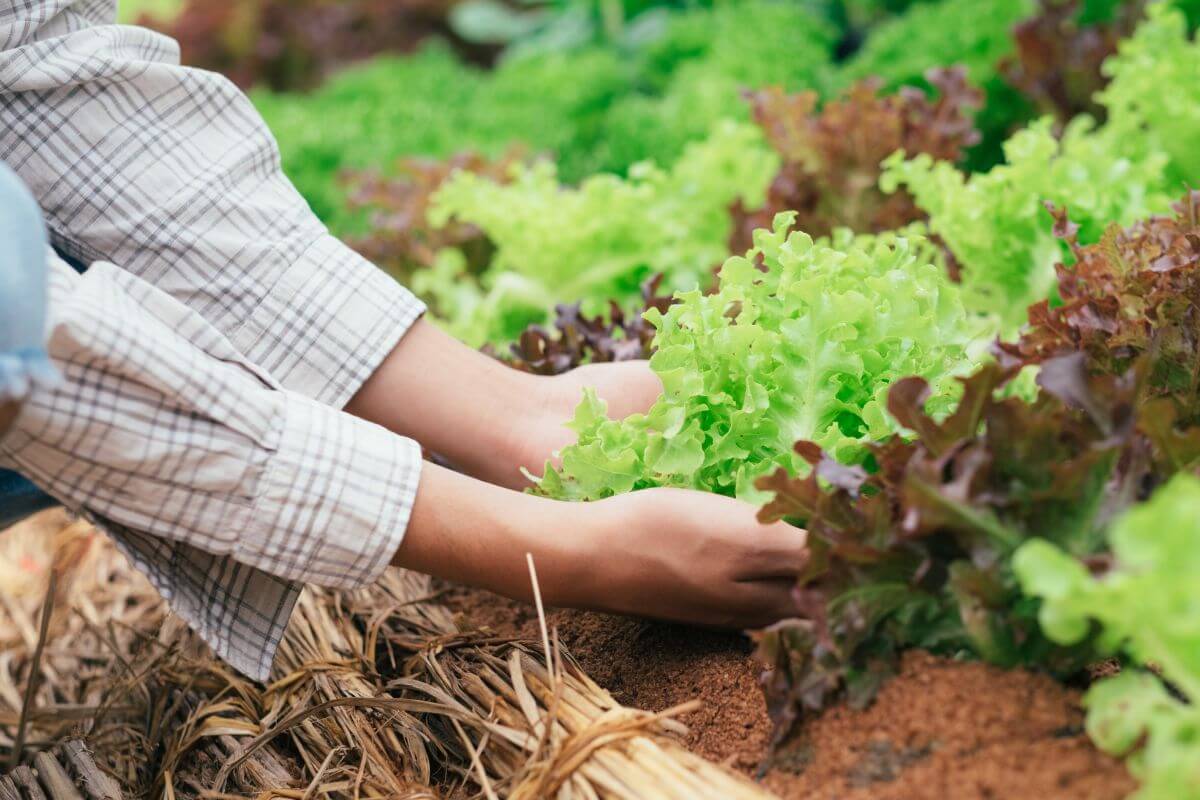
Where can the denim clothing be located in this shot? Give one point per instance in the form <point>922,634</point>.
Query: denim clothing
<point>22,290</point>
<point>22,325</point>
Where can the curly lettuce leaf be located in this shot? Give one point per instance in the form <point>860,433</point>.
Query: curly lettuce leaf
<point>801,341</point>
<point>1153,99</point>
<point>1147,606</point>
<point>996,224</point>
<point>598,241</point>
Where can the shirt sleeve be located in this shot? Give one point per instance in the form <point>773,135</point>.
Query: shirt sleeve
<point>171,173</point>
<point>228,490</point>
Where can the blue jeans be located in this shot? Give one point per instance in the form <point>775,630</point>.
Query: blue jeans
<point>23,361</point>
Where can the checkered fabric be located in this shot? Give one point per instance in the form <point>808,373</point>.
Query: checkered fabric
<point>197,422</point>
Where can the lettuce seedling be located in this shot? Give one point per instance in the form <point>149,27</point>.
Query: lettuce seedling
<point>919,550</point>
<point>598,241</point>
<point>1147,605</point>
<point>801,340</point>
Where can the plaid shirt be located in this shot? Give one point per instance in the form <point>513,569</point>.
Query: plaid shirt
<point>198,419</point>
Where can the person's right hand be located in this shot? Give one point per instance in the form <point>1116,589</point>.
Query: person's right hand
<point>688,556</point>
<point>670,554</point>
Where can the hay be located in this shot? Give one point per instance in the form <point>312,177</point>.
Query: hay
<point>376,694</point>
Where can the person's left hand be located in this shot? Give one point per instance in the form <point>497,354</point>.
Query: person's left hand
<point>627,387</point>
<point>485,418</point>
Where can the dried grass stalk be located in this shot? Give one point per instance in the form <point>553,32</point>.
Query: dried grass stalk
<point>377,694</point>
<point>523,725</point>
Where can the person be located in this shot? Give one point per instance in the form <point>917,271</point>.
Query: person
<point>237,398</point>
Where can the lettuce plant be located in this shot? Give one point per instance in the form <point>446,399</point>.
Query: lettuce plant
<point>1153,99</point>
<point>995,223</point>
<point>832,158</point>
<point>1147,606</point>
<point>932,546</point>
<point>1059,53</point>
<point>598,241</point>
<point>401,238</point>
<point>430,104</point>
<point>753,42</point>
<point>917,552</point>
<point>801,340</point>
<point>593,108</point>
<point>973,33</point>
<point>576,338</point>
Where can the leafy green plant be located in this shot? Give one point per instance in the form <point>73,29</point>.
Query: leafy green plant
<point>1153,99</point>
<point>832,158</point>
<point>1060,50</point>
<point>687,72</point>
<point>431,105</point>
<point>919,551</point>
<point>753,42</point>
<point>1129,302</point>
<point>591,108</point>
<point>401,238</point>
<point>863,13</point>
<point>598,241</point>
<point>976,34</point>
<point>1145,606</point>
<point>995,223</point>
<point>800,341</point>
<point>973,33</point>
<point>576,338</point>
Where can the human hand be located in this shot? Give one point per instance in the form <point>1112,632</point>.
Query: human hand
<point>626,387</point>
<point>487,419</point>
<point>687,556</point>
<point>671,554</point>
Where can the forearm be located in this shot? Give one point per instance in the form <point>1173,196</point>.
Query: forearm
<point>489,420</point>
<point>476,534</point>
<point>461,404</point>
<point>663,553</point>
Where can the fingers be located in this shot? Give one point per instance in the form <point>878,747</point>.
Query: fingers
<point>773,551</point>
<point>628,387</point>
<point>762,603</point>
<point>759,551</point>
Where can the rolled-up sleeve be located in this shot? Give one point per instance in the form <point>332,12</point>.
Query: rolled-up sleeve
<point>172,174</point>
<point>230,491</point>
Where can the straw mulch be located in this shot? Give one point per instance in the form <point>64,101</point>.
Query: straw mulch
<point>376,694</point>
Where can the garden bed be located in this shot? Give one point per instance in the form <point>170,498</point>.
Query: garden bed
<point>939,729</point>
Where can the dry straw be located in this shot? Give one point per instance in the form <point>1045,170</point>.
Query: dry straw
<point>377,694</point>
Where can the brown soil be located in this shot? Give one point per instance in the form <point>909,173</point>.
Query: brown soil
<point>940,729</point>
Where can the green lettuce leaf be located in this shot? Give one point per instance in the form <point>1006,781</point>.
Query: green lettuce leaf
<point>1153,99</point>
<point>599,241</point>
<point>1147,607</point>
<point>996,224</point>
<point>801,341</point>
